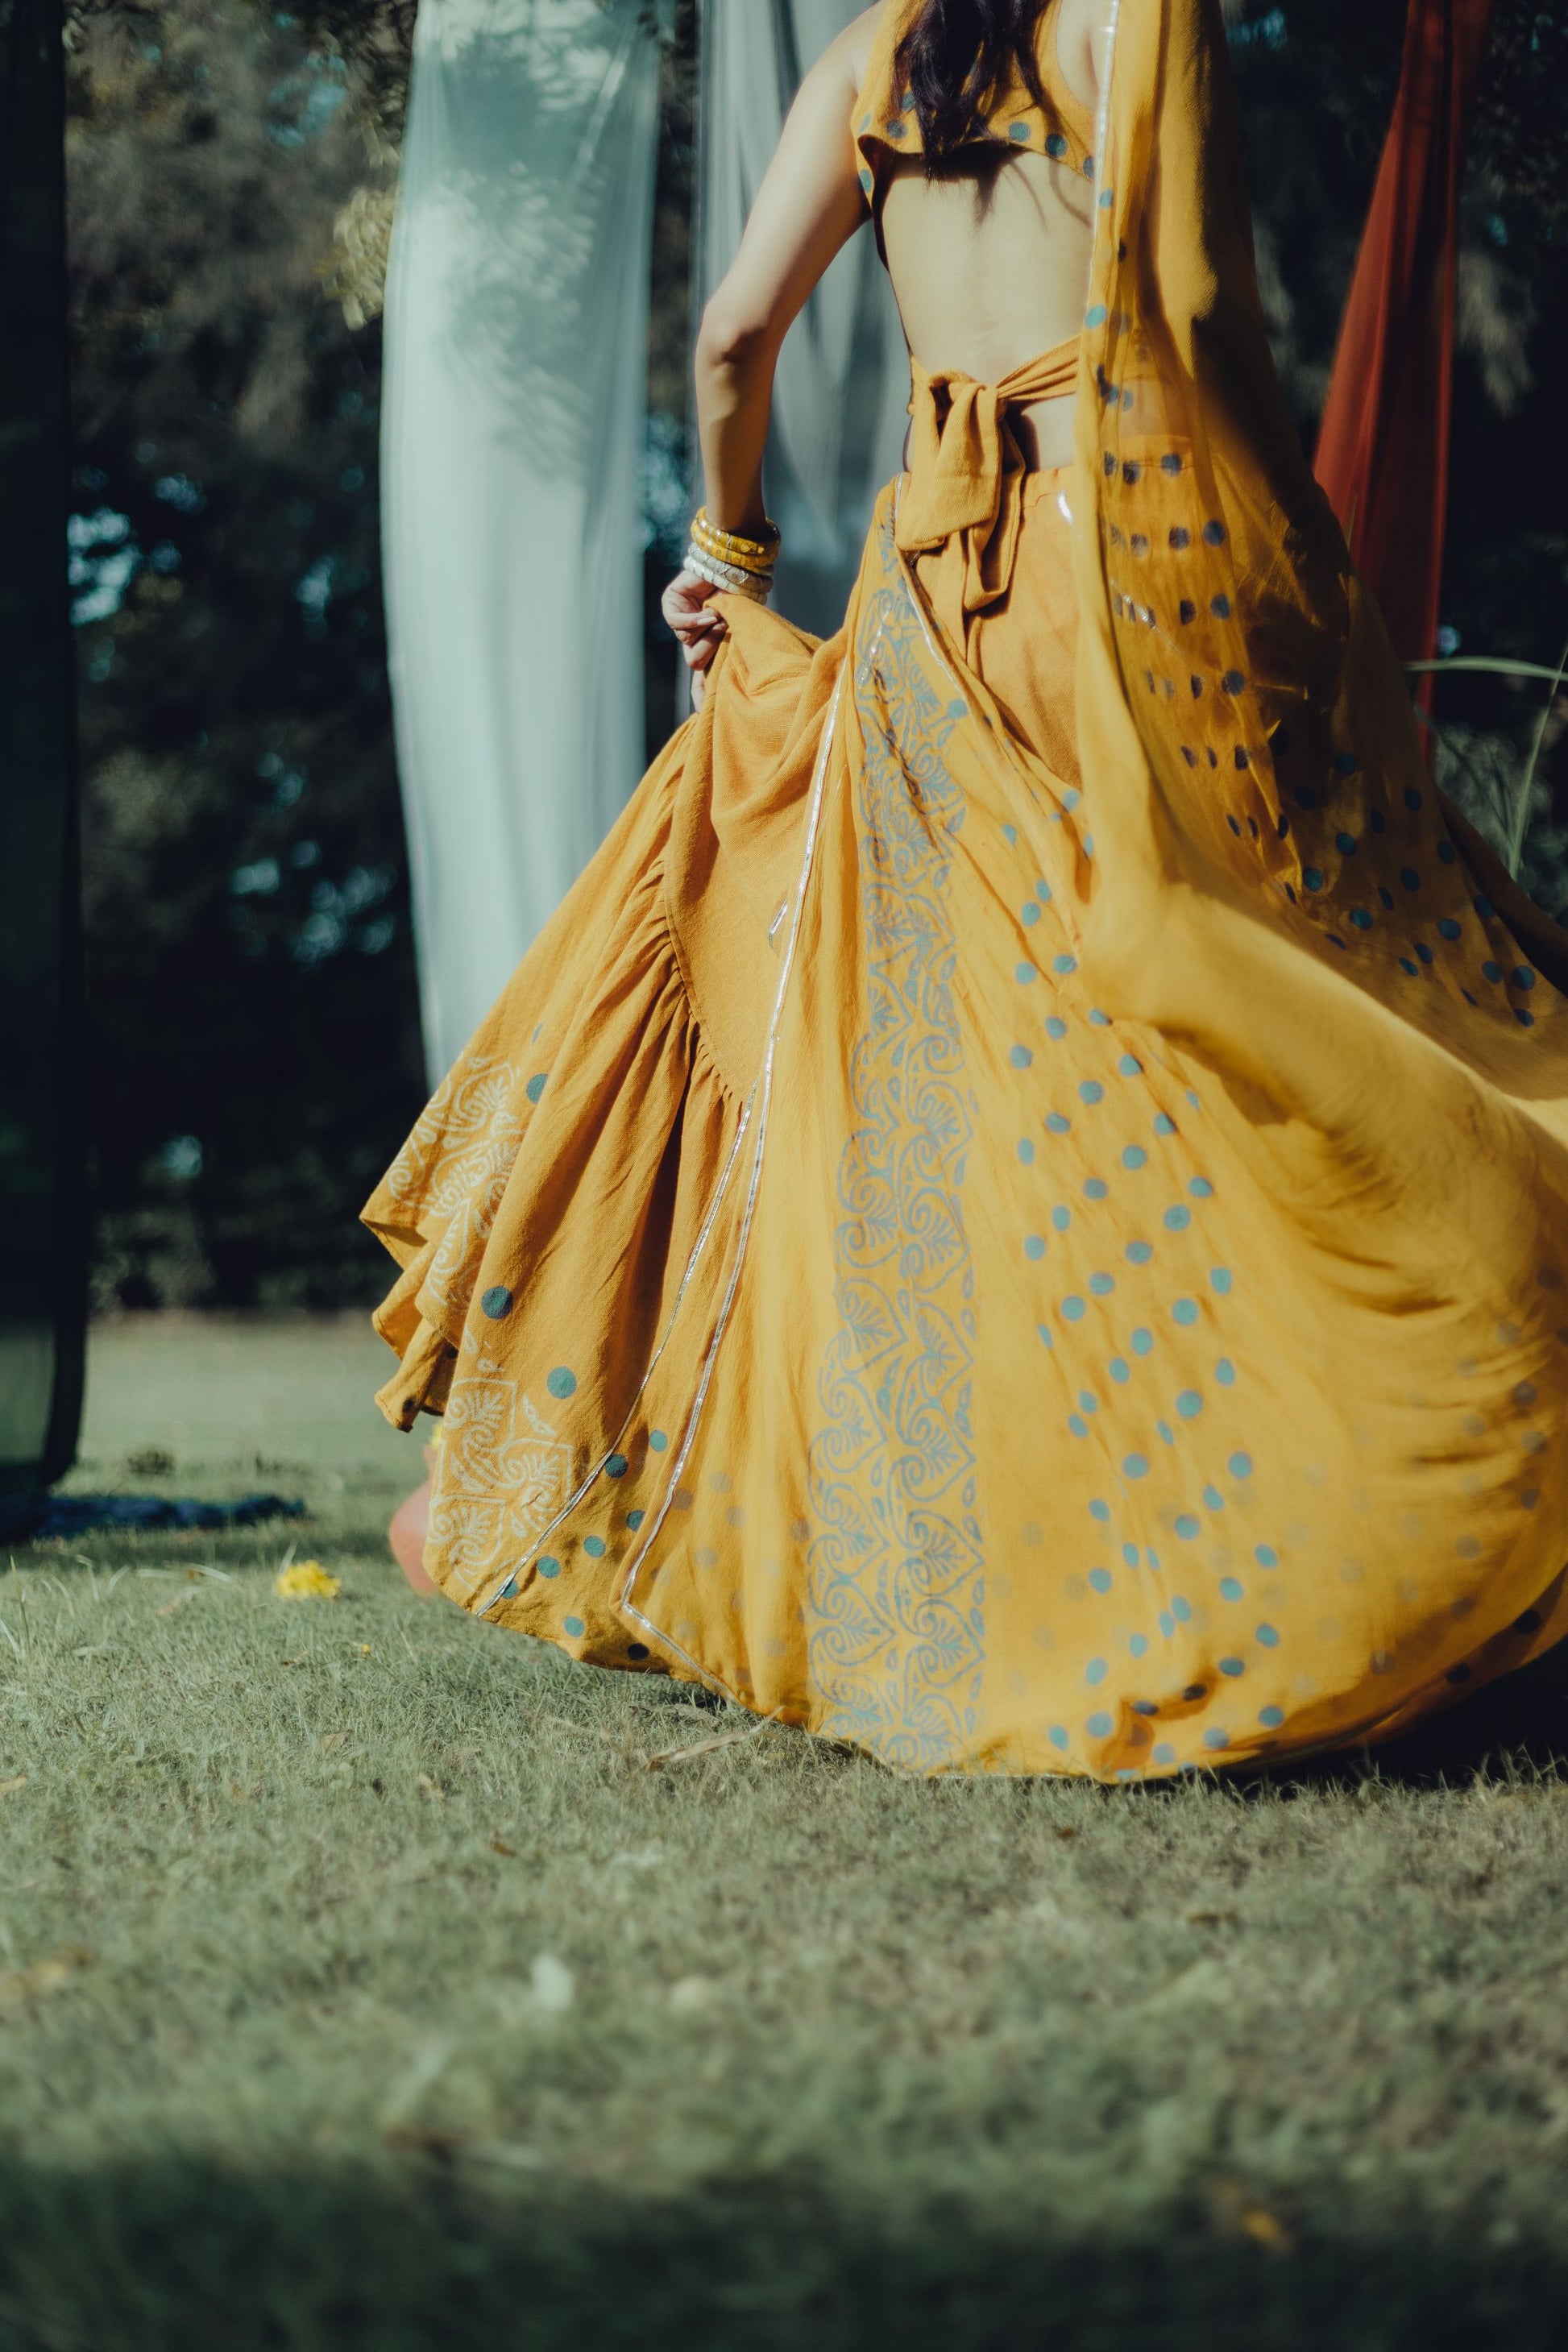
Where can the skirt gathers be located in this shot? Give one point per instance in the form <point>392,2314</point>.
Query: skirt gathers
<point>831,1296</point>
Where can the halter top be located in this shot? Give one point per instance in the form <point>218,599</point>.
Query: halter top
<point>887,127</point>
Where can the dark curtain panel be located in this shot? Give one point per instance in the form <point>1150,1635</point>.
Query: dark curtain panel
<point>42,1302</point>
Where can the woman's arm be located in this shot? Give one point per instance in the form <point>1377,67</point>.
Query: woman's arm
<point>808,206</point>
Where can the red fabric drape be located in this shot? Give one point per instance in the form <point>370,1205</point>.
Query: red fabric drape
<point>1382,448</point>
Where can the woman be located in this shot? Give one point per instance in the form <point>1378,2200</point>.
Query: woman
<point>1017,1216</point>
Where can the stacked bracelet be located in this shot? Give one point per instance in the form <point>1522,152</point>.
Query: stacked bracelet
<point>728,559</point>
<point>728,576</point>
<point>733,547</point>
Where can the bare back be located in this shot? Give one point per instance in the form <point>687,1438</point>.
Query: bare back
<point>989,264</point>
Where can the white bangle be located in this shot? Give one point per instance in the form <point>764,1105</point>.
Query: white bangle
<point>728,576</point>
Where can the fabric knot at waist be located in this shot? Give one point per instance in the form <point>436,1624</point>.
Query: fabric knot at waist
<point>966,471</point>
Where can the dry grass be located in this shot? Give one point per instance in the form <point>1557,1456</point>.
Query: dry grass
<point>361,1985</point>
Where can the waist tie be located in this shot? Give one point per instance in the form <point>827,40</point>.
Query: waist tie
<point>966,472</point>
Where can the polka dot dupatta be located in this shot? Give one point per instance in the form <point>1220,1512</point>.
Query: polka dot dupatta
<point>1017,1215</point>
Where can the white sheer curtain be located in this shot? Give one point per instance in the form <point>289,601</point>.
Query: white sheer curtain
<point>842,393</point>
<point>511,455</point>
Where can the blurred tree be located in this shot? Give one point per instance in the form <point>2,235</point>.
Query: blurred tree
<point>254,1055</point>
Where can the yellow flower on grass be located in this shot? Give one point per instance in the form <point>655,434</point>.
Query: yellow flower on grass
<point>307,1580</point>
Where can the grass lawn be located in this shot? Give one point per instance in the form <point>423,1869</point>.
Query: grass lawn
<point>366,1980</point>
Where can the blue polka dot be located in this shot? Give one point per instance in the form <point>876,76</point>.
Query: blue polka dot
<point>1061,1218</point>
<point>959,710</point>
<point>1266,1555</point>
<point>1448,929</point>
<point>1525,1020</point>
<point>1185,1310</point>
<point>548,1566</point>
<point>1225,1372</point>
<point>508,1590</point>
<point>561,1382</point>
<point>1100,1579</point>
<point>1186,1527</point>
<point>1181,1608</point>
<point>1136,1465</point>
<point>1163,1124</point>
<point>1025,1151</point>
<point>1130,1066</point>
<point>634,1519</point>
<point>1064,964</point>
<point>1311,879</point>
<point>1423,951</point>
<point>1213,1499</point>
<point>1043,892</point>
<point>1044,1334</point>
<point>1090,1403</point>
<point>535,1086</point>
<point>1029,912</point>
<point>1345,844</point>
<point>1269,1637</point>
<point>1412,797</point>
<point>1091,1091</point>
<point>1361,918</point>
<point>1120,1370</point>
<point>1178,1219</point>
<point>1020,1057</point>
<point>1134,1156</point>
<point>1230,1588</point>
<point>1077,1423</point>
<point>1056,1027</point>
<point>1166,1623</point>
<point>1523,976</point>
<point>1025,973</point>
<point>1095,1188</point>
<point>1232,1666</point>
<point>1140,1252</point>
<point>1095,316</point>
<point>1189,1404</point>
<point>1100,1726</point>
<point>1136,1645</point>
<point>1166,1432</point>
<point>1201,1189</point>
<point>1057,1123</point>
<point>1101,1284</point>
<point>1270,1718</point>
<point>1129,1554</point>
<point>1492,971</point>
<point>1162,1752</point>
<point>1099,1020</point>
<point>1101,1511</point>
<point>1142,1340</point>
<point>1096,1671</point>
<point>617,1466</point>
<point>1057,1736</point>
<point>1216,1739</point>
<point>1034,1246</point>
<point>657,1440</point>
<point>497,1302</point>
<point>1406,965</point>
<point>1056,147</point>
<point>1484,908</point>
<point>1241,1466</point>
<point>1073,1309</point>
<point>595,1547</point>
<point>573,1626</point>
<point>1219,1277</point>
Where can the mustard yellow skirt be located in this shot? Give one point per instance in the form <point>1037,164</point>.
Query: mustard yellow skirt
<point>828,1299</point>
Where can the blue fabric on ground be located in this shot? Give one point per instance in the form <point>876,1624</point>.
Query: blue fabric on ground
<point>25,1519</point>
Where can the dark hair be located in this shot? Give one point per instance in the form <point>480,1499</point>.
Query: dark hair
<point>955,59</point>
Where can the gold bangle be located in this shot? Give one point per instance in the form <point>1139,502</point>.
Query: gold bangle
<point>725,548</point>
<point>734,547</point>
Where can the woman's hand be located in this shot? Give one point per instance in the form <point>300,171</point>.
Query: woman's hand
<point>687,607</point>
